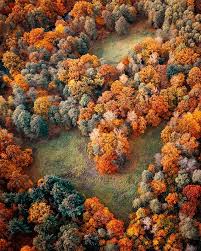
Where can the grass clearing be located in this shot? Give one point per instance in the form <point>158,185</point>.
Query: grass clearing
<point>114,47</point>
<point>66,155</point>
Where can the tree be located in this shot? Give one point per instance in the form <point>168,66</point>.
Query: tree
<point>38,212</point>
<point>194,76</point>
<point>42,105</point>
<point>90,28</point>
<point>27,248</point>
<point>115,228</point>
<point>82,8</point>
<point>46,233</point>
<point>21,119</point>
<point>38,126</point>
<point>69,240</point>
<point>109,20</point>
<point>72,206</point>
<point>121,26</point>
<point>17,226</point>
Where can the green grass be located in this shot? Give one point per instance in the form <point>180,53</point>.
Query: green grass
<point>114,47</point>
<point>66,155</point>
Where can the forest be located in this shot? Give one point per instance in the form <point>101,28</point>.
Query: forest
<point>100,125</point>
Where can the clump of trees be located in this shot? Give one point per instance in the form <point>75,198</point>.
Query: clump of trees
<point>52,215</point>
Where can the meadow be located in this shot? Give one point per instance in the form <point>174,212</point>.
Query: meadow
<point>67,156</point>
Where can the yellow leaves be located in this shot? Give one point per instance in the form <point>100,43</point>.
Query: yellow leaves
<point>150,45</point>
<point>60,28</point>
<point>44,44</point>
<point>141,213</point>
<point>13,62</point>
<point>178,80</point>
<point>78,88</point>
<point>166,134</point>
<point>135,230</point>
<point>190,123</point>
<point>99,108</point>
<point>116,87</point>
<point>41,105</point>
<point>38,212</point>
<point>149,75</point>
<point>186,56</point>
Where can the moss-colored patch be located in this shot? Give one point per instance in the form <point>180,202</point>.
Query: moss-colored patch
<point>67,156</point>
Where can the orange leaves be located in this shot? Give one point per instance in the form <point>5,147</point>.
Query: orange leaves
<point>38,212</point>
<point>158,110</point>
<point>194,76</point>
<point>158,186</point>
<point>115,228</point>
<point>147,47</point>
<point>149,75</point>
<point>152,118</point>
<point>3,244</point>
<point>109,73</point>
<point>104,164</point>
<point>97,217</point>
<point>172,199</point>
<point>125,244</point>
<point>107,147</point>
<point>19,157</point>
<point>189,143</point>
<point>34,36</point>
<point>27,248</point>
<point>170,158</point>
<point>21,82</point>
<point>186,56</point>
<point>75,69</point>
<point>102,217</point>
<point>97,214</point>
<point>120,99</point>
<point>138,123</point>
<point>190,123</point>
<point>12,161</point>
<point>88,61</point>
<point>193,195</point>
<point>82,8</point>
<point>93,205</point>
<point>178,80</point>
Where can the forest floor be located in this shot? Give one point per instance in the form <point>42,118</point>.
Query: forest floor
<point>67,156</point>
<point>113,48</point>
